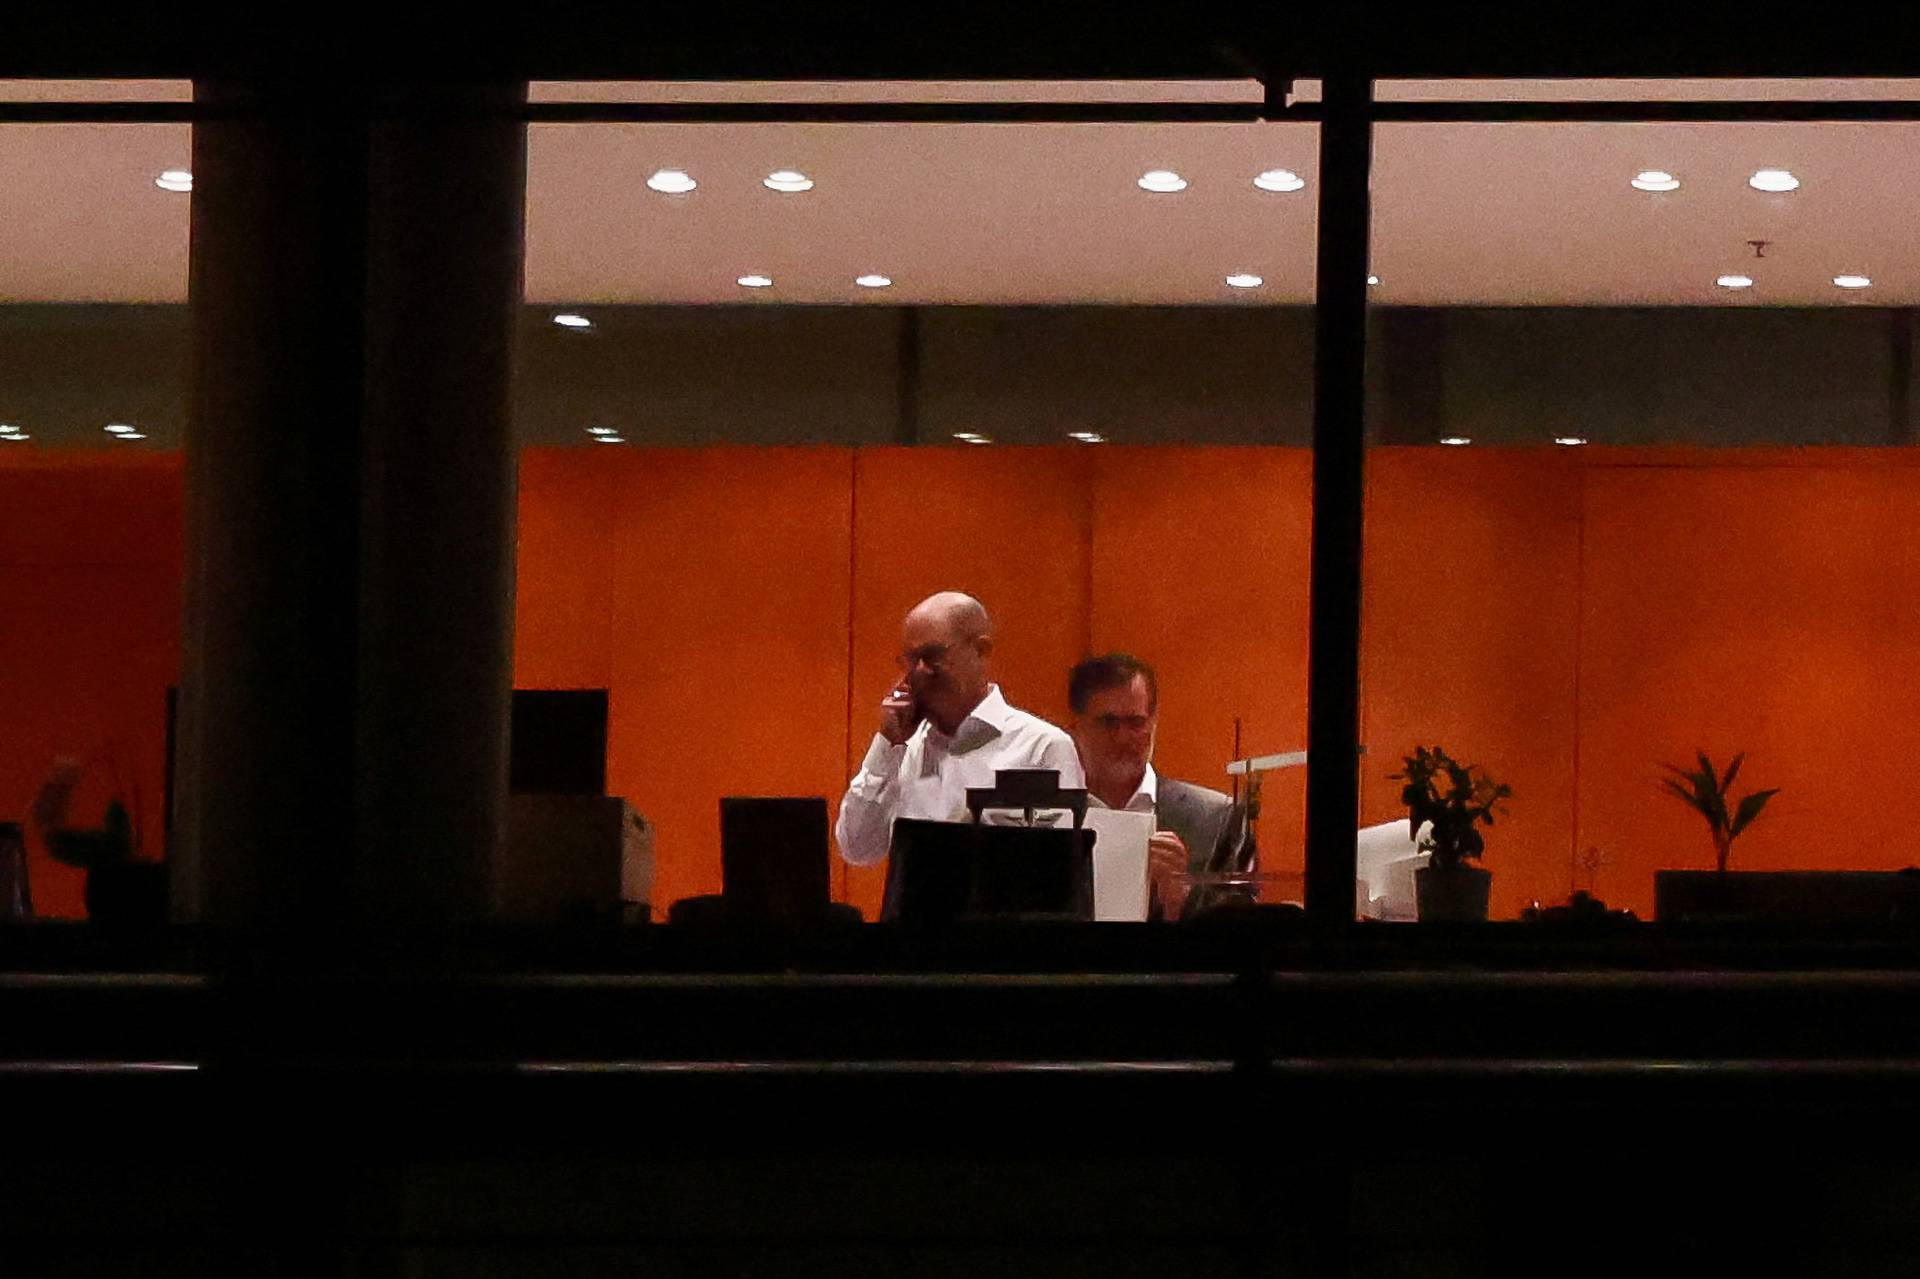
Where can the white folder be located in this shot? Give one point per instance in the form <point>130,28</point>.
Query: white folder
<point>1119,863</point>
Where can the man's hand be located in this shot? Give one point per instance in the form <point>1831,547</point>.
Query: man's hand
<point>1166,856</point>
<point>899,715</point>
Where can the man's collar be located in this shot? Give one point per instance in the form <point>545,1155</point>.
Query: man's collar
<point>984,722</point>
<point>1150,785</point>
<point>992,711</point>
<point>1148,789</point>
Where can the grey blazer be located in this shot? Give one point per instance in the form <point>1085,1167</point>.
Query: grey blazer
<point>1202,818</point>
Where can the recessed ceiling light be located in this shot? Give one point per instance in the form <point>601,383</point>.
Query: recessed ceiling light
<point>174,180</point>
<point>1163,181</point>
<point>671,181</point>
<point>572,320</point>
<point>1455,439</point>
<point>755,281</point>
<point>120,428</point>
<point>873,281</point>
<point>1244,281</point>
<point>1735,281</point>
<point>603,430</point>
<point>1571,441</point>
<point>1087,437</point>
<point>787,180</point>
<point>1655,180</point>
<point>1373,279</point>
<point>1852,281</point>
<point>1279,180</point>
<point>1773,180</point>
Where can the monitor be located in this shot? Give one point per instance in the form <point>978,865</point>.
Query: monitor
<point>774,863</point>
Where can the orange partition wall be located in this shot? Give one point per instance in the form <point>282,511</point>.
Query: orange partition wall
<point>563,589</point>
<point>1766,608</point>
<point>728,670</point>
<point>1200,567</point>
<point>1569,619</point>
<point>1008,525</point>
<point>1470,612</point>
<point>90,580</point>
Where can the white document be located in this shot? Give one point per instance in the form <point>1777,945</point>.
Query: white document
<point>1119,863</point>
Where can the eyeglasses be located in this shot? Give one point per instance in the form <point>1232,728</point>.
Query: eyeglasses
<point>932,654</point>
<point>1114,723</point>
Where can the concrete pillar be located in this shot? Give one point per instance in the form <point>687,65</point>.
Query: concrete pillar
<point>355,275</point>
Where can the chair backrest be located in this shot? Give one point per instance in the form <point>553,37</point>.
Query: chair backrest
<point>774,863</point>
<point>941,872</point>
<point>1029,790</point>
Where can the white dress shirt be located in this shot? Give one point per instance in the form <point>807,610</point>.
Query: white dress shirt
<point>928,774</point>
<point>1143,799</point>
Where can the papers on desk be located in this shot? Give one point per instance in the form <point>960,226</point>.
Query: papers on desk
<point>1119,863</point>
<point>1385,858</point>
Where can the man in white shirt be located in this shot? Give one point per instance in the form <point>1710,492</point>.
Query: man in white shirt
<point>1116,711</point>
<point>943,727</point>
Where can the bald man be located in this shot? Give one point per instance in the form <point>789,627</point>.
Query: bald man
<point>943,727</point>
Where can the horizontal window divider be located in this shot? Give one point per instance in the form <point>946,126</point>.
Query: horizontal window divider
<point>101,112</point>
<point>1752,112</point>
<point>1449,112</point>
<point>893,112</point>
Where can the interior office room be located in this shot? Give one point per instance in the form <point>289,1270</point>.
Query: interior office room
<point>426,504</point>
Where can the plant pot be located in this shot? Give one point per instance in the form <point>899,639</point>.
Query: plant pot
<point>1452,894</point>
<point>1806,897</point>
<point>127,895</point>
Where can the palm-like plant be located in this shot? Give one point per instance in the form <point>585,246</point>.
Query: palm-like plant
<point>1705,790</point>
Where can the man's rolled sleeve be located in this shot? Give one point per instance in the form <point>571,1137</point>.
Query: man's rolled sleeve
<point>865,827</point>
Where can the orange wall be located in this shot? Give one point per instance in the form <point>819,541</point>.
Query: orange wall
<point>563,606</point>
<point>1567,618</point>
<point>729,650</point>
<point>90,573</point>
<point>1768,608</point>
<point>1200,566</point>
<point>1007,525</point>
<point>1470,613</point>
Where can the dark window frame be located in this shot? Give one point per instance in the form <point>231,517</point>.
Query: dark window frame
<point>1347,115</point>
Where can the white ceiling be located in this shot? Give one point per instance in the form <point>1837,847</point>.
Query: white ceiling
<point>1470,214</point>
<point>954,213</point>
<point>83,221</point>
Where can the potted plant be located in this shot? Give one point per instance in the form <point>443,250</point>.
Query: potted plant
<point>1705,790</point>
<point>1721,894</point>
<point>1450,799</point>
<point>122,890</point>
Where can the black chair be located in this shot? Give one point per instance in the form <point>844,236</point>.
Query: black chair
<point>774,869</point>
<point>942,873</point>
<point>1030,790</point>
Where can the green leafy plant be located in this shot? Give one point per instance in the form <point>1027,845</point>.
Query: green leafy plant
<point>111,844</point>
<point>1450,798</point>
<point>107,845</point>
<point>1706,791</point>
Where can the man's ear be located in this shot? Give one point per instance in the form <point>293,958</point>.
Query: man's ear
<point>983,645</point>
